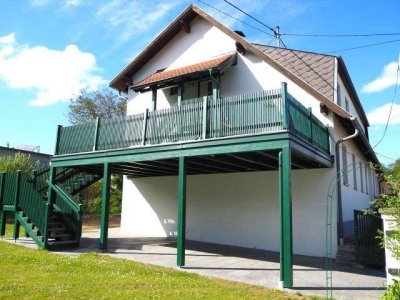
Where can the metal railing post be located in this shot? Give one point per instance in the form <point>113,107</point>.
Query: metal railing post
<point>285,107</point>
<point>96,134</point>
<point>204,129</point>
<point>311,125</point>
<point>144,129</point>
<point>57,149</point>
<point>16,200</point>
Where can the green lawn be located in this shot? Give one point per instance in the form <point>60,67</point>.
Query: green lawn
<point>27,273</point>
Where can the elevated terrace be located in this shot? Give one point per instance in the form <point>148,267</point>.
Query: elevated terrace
<point>237,131</point>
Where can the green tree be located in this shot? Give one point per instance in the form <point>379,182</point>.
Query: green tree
<point>17,162</point>
<point>86,107</point>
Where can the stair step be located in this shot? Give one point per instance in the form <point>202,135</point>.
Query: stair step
<point>63,236</point>
<point>62,243</point>
<point>58,229</point>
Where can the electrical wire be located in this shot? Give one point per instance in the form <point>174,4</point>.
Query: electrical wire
<point>237,19</point>
<point>250,16</point>
<point>341,35</point>
<point>364,46</point>
<point>391,106</point>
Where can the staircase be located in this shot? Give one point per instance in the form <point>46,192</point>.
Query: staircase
<point>51,224</point>
<point>346,254</point>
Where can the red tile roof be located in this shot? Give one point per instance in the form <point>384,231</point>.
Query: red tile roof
<point>170,74</point>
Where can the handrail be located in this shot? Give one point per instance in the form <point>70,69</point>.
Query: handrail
<point>72,205</point>
<point>205,118</point>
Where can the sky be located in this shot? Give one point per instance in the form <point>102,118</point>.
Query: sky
<point>51,49</point>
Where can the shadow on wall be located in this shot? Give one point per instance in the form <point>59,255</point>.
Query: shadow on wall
<point>160,195</point>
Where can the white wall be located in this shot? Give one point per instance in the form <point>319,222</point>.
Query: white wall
<point>355,198</point>
<point>204,42</point>
<point>345,94</point>
<point>235,209</point>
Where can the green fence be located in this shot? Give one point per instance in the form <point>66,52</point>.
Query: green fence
<point>32,204</point>
<point>9,188</point>
<point>196,119</point>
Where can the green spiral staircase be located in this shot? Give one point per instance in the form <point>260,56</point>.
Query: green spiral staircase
<point>50,223</point>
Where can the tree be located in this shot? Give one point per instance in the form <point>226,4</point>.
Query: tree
<point>87,106</point>
<point>17,162</point>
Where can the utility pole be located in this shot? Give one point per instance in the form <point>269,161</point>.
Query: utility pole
<point>278,36</point>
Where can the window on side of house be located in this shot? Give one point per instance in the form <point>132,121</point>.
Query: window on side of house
<point>344,168</point>
<point>354,172</point>
<point>361,177</point>
<point>366,180</point>
<point>339,96</point>
<point>346,103</point>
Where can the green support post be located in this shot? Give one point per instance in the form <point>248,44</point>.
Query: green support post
<point>286,251</point>
<point>105,201</point>
<point>311,125</point>
<point>181,212</point>
<point>285,107</point>
<point>16,200</point>
<point>96,134</point>
<point>153,98</point>
<point>46,226</point>
<point>3,215</point>
<point>57,149</point>
<point>3,219</point>
<point>180,93</point>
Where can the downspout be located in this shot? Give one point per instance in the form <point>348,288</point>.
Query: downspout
<point>338,177</point>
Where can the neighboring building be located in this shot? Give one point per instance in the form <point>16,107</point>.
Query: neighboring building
<point>227,142</point>
<point>39,159</point>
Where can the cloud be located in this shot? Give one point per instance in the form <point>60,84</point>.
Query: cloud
<point>67,3</point>
<point>130,18</point>
<point>385,80</point>
<point>379,115</point>
<point>55,75</point>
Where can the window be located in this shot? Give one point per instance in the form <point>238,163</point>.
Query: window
<point>173,91</point>
<point>354,172</point>
<point>339,99</point>
<point>366,180</point>
<point>361,177</point>
<point>209,89</point>
<point>344,168</point>
<point>346,103</point>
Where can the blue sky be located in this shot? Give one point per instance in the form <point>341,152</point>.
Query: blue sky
<point>49,49</point>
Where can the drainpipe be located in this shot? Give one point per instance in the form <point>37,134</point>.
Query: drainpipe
<point>338,177</point>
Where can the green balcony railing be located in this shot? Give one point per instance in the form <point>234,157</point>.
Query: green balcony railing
<point>198,119</point>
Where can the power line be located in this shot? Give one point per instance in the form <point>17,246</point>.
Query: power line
<point>364,46</point>
<point>391,105</point>
<point>237,19</point>
<point>250,16</point>
<point>341,35</point>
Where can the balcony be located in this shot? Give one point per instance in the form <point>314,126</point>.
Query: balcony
<point>197,120</point>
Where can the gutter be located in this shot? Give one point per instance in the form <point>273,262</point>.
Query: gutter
<point>339,181</point>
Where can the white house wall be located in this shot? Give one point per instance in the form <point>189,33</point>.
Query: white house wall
<point>204,42</point>
<point>235,209</point>
<point>354,198</point>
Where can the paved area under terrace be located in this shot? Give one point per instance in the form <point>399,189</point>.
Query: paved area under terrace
<point>239,264</point>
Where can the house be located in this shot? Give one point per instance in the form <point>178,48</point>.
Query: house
<point>225,142</point>
<point>39,159</point>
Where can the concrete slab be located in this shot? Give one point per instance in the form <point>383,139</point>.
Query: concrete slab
<point>238,264</point>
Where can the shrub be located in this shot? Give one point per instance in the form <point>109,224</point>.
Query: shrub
<point>17,162</point>
<point>393,292</point>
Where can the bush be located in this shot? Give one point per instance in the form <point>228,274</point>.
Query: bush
<point>393,292</point>
<point>17,162</point>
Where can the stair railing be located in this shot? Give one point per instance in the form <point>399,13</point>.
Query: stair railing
<point>71,211</point>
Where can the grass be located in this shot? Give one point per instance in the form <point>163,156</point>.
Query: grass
<point>34,274</point>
